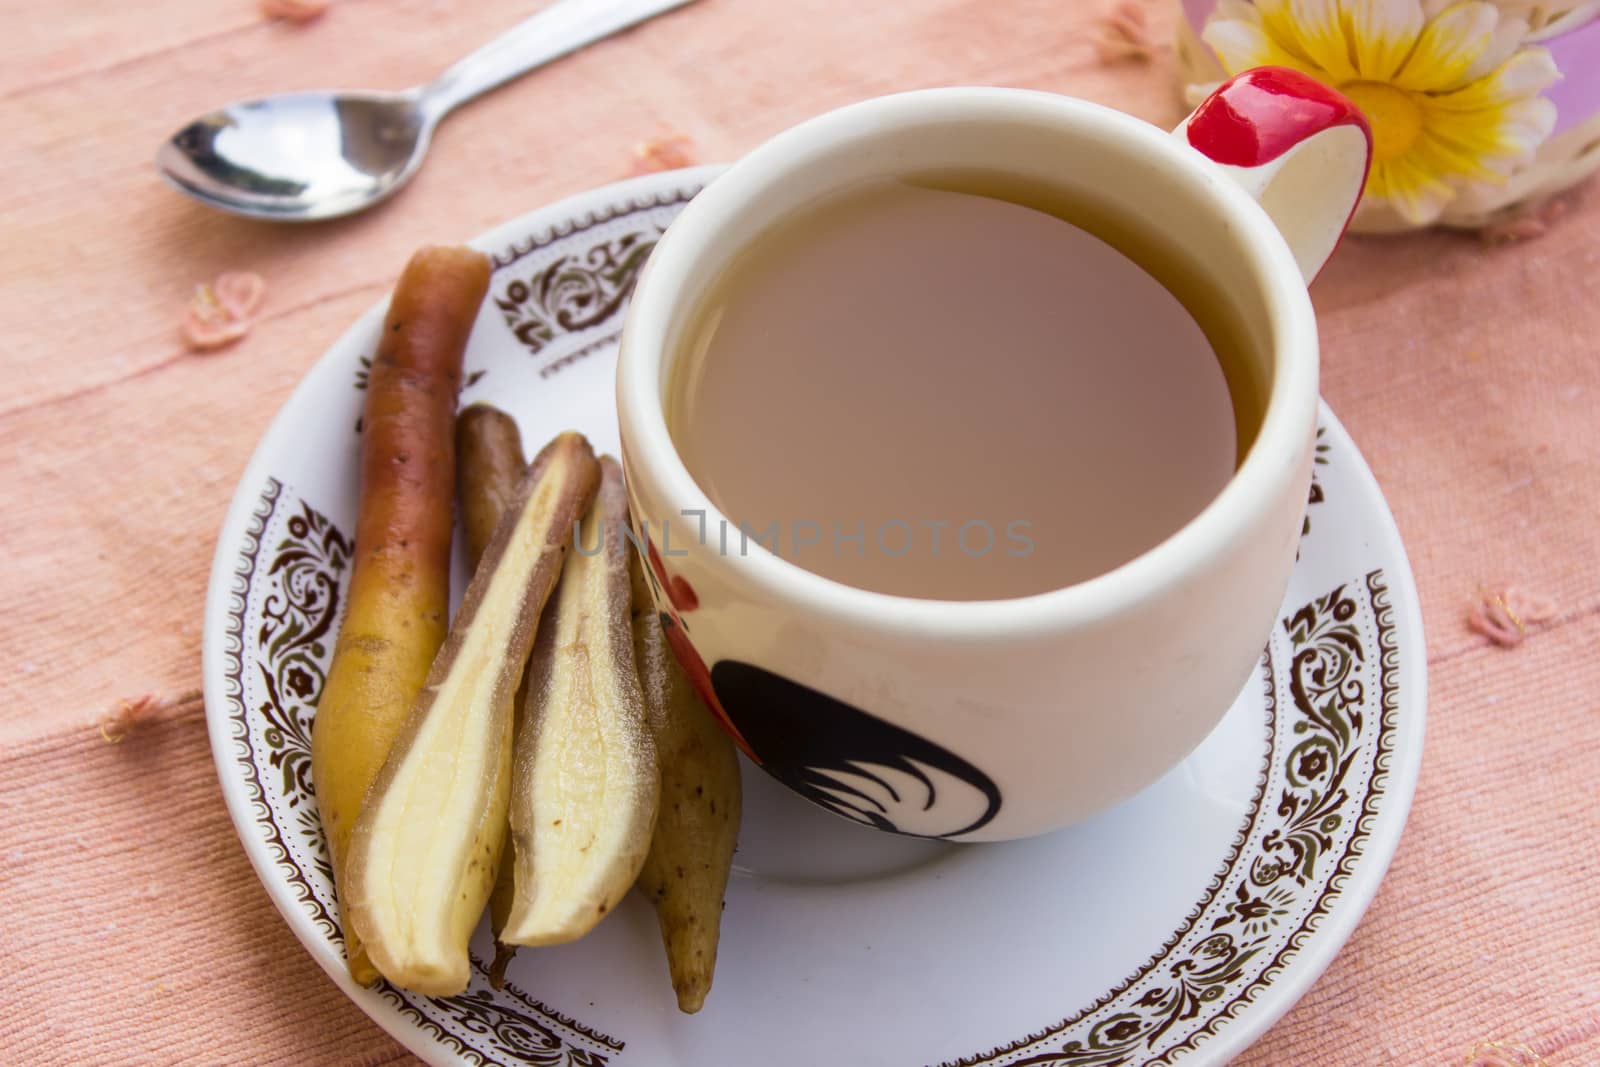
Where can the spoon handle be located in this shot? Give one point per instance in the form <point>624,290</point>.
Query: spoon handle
<point>562,27</point>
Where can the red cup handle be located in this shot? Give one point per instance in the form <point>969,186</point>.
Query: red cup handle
<point>1300,148</point>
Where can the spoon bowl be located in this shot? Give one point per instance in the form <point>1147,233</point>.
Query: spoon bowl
<point>301,156</point>
<point>319,155</point>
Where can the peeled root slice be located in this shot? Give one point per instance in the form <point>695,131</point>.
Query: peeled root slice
<point>429,838</point>
<point>585,784</point>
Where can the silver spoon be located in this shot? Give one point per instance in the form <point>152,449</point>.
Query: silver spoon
<point>318,155</point>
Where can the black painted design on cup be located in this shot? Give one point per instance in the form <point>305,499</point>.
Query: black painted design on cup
<point>852,763</point>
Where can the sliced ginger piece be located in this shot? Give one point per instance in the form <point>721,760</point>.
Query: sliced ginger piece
<point>585,783</point>
<point>430,835</point>
<point>489,467</point>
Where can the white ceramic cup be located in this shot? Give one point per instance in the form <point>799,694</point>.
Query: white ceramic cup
<point>987,720</point>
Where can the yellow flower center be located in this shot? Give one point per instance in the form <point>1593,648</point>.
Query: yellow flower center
<point>1395,116</point>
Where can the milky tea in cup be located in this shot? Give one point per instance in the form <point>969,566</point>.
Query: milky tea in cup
<point>960,386</point>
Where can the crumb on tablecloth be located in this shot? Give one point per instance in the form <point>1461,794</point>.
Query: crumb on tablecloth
<point>130,713</point>
<point>293,10</point>
<point>222,311</point>
<point>663,153</point>
<point>1124,34</point>
<point>1504,617</point>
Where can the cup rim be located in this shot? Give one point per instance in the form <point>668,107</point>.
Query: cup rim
<point>1290,407</point>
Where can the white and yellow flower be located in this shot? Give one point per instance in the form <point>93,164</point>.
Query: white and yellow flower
<point>1452,92</point>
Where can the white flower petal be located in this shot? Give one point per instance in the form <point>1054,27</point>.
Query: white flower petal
<point>1383,32</point>
<point>1483,146</point>
<point>1525,75</point>
<point>1419,197</point>
<point>1460,149</point>
<point>1508,36</point>
<point>1276,20</point>
<point>1315,28</point>
<point>1528,123</point>
<point>1528,73</point>
<point>1449,47</point>
<point>1242,44</point>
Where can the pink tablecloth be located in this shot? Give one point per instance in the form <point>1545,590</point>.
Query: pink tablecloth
<point>134,930</point>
